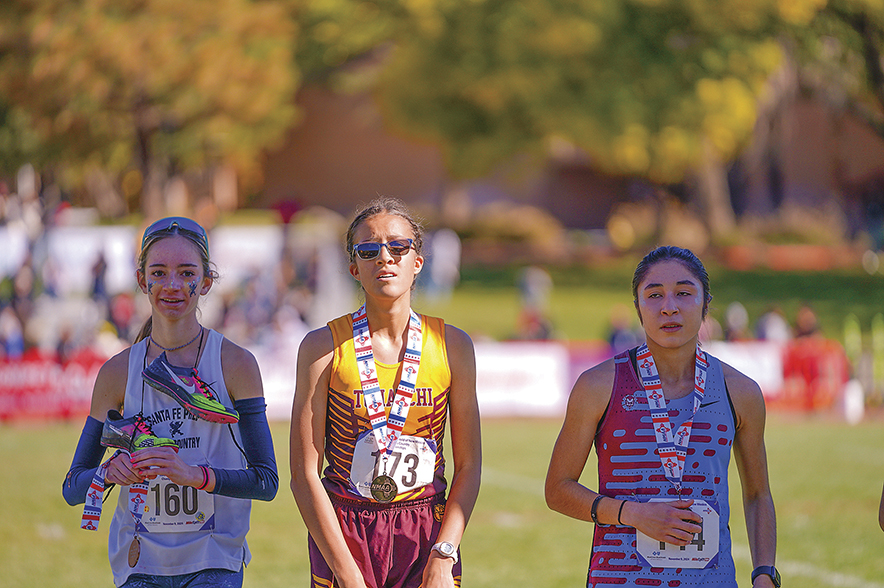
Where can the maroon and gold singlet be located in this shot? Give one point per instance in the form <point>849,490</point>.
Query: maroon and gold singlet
<point>417,465</point>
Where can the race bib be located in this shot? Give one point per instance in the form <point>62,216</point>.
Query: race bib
<point>411,465</point>
<point>169,508</point>
<point>700,553</point>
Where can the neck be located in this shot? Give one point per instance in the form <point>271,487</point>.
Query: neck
<point>174,334</point>
<point>391,320</point>
<point>674,364</point>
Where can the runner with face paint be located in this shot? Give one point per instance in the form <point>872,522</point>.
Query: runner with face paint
<point>187,464</point>
<point>663,418</point>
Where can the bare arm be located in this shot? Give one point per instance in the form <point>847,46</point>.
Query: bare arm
<point>466,446</point>
<point>751,459</point>
<point>665,521</point>
<point>307,442</point>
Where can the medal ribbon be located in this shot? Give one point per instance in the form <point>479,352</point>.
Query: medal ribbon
<point>95,497</point>
<point>387,429</point>
<point>672,448</point>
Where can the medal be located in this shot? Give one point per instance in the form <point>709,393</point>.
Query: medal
<point>134,552</point>
<point>386,427</point>
<point>384,488</point>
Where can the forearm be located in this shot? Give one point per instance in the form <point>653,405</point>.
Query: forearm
<point>260,481</point>
<point>460,503</point>
<point>761,526</point>
<point>571,498</point>
<point>86,460</point>
<point>325,530</point>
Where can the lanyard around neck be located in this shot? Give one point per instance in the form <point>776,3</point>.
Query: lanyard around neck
<point>387,429</point>
<point>672,448</point>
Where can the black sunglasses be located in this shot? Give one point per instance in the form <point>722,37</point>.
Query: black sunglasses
<point>397,247</point>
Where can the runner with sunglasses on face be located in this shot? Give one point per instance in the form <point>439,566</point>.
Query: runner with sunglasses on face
<point>663,418</point>
<point>183,409</point>
<point>374,390</point>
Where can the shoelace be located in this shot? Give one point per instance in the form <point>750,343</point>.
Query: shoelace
<point>142,427</point>
<point>204,387</point>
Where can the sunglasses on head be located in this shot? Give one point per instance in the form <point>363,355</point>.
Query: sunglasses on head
<point>177,224</point>
<point>397,247</point>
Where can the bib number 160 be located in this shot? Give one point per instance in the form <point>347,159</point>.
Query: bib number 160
<point>172,500</point>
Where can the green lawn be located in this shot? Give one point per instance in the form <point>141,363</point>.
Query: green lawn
<point>826,479</point>
<point>826,476</point>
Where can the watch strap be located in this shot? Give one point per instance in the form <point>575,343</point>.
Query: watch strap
<point>446,549</point>
<point>769,571</point>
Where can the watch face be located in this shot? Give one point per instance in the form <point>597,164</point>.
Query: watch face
<point>446,548</point>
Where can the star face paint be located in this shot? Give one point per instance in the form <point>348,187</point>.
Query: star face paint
<point>150,285</point>
<point>192,288</point>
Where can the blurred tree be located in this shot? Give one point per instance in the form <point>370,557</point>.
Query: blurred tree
<point>651,88</point>
<point>159,85</point>
<point>840,57</point>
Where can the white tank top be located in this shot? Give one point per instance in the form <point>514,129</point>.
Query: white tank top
<point>220,538</point>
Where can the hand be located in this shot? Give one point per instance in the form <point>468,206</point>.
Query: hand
<point>164,461</point>
<point>671,522</point>
<point>438,572</point>
<point>120,470</point>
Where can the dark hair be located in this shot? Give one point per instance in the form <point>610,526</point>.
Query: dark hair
<point>684,256</point>
<point>208,267</point>
<point>385,205</point>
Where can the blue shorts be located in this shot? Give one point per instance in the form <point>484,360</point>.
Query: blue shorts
<point>390,542</point>
<point>211,578</point>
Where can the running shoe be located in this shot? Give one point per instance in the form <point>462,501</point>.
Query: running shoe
<point>186,387</point>
<point>131,434</point>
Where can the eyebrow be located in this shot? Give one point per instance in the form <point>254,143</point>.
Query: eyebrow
<point>179,265</point>
<point>678,283</point>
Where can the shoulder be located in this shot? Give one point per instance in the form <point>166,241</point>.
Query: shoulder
<point>241,372</point>
<point>235,357</point>
<point>316,345</point>
<point>745,394</point>
<point>592,390</point>
<point>459,346</point>
<point>457,337</point>
<point>116,369</point>
<point>110,385</point>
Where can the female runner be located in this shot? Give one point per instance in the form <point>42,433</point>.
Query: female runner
<point>374,390</point>
<point>663,418</point>
<point>187,464</point>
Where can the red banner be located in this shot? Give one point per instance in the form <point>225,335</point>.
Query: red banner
<point>39,386</point>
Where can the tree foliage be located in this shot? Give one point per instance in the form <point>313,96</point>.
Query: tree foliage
<point>159,83</point>
<point>840,57</point>
<point>640,86</point>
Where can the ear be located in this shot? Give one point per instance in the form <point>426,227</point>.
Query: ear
<point>418,264</point>
<point>354,270</point>
<point>207,285</point>
<point>140,279</point>
<point>638,311</point>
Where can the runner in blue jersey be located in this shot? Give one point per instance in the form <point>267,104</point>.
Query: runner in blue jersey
<point>664,418</point>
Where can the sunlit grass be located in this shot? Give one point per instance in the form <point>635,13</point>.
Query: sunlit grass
<point>826,478</point>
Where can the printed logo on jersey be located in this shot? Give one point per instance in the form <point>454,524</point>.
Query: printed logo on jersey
<point>422,398</point>
<point>630,400</point>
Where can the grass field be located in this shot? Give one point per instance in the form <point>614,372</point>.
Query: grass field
<point>826,479</point>
<point>826,476</point>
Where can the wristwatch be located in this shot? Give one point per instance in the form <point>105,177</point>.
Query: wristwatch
<point>446,549</point>
<point>770,571</point>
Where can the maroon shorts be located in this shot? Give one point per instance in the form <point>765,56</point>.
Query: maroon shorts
<point>390,542</point>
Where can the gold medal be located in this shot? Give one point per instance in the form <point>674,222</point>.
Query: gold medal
<point>134,552</point>
<point>384,489</point>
